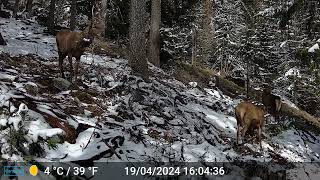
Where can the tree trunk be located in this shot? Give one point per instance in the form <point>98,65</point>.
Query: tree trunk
<point>2,41</point>
<point>73,14</point>
<point>207,34</point>
<point>99,18</point>
<point>15,8</point>
<point>310,21</point>
<point>51,16</point>
<point>194,46</point>
<point>29,7</point>
<point>138,58</point>
<point>248,79</point>
<point>154,53</point>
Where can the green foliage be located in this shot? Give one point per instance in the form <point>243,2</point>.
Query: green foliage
<point>303,56</point>
<point>308,60</point>
<point>84,7</point>
<point>316,58</point>
<point>317,80</point>
<point>117,21</point>
<point>274,129</point>
<point>287,15</point>
<point>177,12</point>
<point>253,4</point>
<point>17,138</point>
<point>52,142</point>
<point>316,26</point>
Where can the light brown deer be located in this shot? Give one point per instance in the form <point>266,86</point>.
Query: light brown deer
<point>73,44</point>
<point>249,116</point>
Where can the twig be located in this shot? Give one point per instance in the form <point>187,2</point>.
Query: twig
<point>94,129</point>
<point>111,148</point>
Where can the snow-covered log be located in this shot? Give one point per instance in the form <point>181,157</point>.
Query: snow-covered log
<point>298,113</point>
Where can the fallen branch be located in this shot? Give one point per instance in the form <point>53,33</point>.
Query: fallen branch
<point>55,122</point>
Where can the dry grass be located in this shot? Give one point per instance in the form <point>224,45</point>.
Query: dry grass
<point>83,96</point>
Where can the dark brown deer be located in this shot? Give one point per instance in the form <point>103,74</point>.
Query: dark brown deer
<point>271,102</point>
<point>73,44</point>
<point>249,116</point>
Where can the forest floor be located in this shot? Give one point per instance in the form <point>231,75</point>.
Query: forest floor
<point>118,117</point>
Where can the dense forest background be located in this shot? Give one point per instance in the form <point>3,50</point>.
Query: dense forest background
<point>258,40</point>
<point>163,76</point>
<point>261,40</point>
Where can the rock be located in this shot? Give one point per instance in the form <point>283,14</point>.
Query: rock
<point>157,120</point>
<point>7,77</point>
<point>154,133</point>
<point>193,84</point>
<point>74,110</point>
<point>83,97</point>
<point>61,84</point>
<point>32,88</point>
<point>95,110</point>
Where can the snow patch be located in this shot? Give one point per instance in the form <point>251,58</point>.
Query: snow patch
<point>313,48</point>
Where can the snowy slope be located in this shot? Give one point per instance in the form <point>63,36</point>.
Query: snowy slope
<point>163,120</point>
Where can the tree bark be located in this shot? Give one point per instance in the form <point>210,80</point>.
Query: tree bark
<point>51,16</point>
<point>154,53</point>
<point>29,7</point>
<point>207,35</point>
<point>73,14</point>
<point>99,18</point>
<point>194,46</point>
<point>311,19</point>
<point>138,58</point>
<point>16,8</point>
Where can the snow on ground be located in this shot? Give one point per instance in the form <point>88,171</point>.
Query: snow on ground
<point>163,120</point>
<point>314,48</point>
<point>293,72</point>
<point>26,37</point>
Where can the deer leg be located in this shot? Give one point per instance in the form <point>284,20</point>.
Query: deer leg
<point>76,70</point>
<point>61,57</point>
<point>238,134</point>
<point>70,64</point>
<point>244,130</point>
<point>259,136</point>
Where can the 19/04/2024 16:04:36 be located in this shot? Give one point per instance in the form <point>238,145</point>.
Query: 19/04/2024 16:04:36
<point>174,171</point>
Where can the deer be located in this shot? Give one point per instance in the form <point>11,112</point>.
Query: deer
<point>73,44</point>
<point>249,116</point>
<point>271,102</point>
